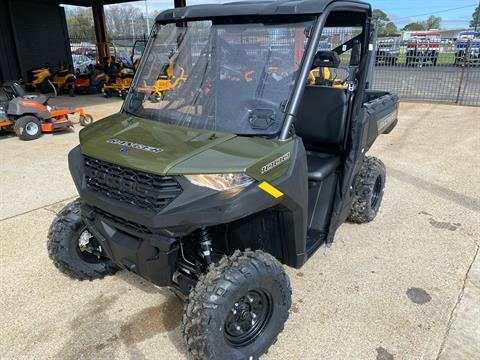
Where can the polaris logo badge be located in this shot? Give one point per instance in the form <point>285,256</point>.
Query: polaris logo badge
<point>128,144</point>
<point>273,164</point>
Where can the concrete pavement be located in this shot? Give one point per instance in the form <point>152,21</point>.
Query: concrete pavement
<point>402,287</point>
<point>34,173</point>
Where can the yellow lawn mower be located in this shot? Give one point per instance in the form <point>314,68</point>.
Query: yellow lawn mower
<point>51,79</point>
<point>119,77</point>
<point>119,81</point>
<point>166,81</point>
<point>323,76</point>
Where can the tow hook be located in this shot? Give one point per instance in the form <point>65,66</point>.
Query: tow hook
<point>84,241</point>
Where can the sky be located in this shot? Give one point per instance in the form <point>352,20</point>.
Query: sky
<point>455,14</point>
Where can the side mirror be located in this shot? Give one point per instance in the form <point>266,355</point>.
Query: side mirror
<point>328,59</point>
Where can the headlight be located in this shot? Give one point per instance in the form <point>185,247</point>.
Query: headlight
<point>221,182</point>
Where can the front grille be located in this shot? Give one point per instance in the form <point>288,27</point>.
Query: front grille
<point>140,189</point>
<point>126,223</point>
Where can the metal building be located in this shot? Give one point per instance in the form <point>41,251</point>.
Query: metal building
<point>34,32</point>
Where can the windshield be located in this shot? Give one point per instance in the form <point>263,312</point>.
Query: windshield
<point>223,77</point>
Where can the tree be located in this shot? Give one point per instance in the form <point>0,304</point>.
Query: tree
<point>433,22</point>
<point>380,19</point>
<point>80,23</point>
<point>391,29</point>
<point>121,21</point>
<point>125,20</point>
<point>415,26</point>
<point>475,23</point>
<point>382,22</point>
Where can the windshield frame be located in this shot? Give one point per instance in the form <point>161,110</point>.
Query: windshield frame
<point>293,104</point>
<point>240,20</point>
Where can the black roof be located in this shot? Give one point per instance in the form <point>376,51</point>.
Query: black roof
<point>257,8</point>
<point>87,2</point>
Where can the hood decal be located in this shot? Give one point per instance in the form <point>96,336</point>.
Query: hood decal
<point>133,145</point>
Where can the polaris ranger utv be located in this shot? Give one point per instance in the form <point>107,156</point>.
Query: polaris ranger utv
<point>244,167</point>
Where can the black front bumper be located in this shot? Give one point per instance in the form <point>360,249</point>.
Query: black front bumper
<point>153,256</point>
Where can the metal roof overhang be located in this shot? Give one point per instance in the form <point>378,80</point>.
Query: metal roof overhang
<point>90,2</point>
<point>259,8</point>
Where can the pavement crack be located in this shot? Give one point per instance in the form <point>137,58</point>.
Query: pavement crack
<point>49,210</point>
<point>44,207</point>
<point>465,201</point>
<point>457,302</point>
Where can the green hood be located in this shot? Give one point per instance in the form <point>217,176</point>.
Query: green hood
<point>183,150</point>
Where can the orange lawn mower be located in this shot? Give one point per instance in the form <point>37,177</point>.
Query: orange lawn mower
<point>91,82</point>
<point>30,115</point>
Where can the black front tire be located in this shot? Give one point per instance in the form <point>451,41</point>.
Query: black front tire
<point>155,98</point>
<point>107,93</point>
<point>251,282</point>
<point>47,87</point>
<point>63,247</point>
<point>368,189</point>
<point>28,128</point>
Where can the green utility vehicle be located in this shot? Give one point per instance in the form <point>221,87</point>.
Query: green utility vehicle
<point>244,166</point>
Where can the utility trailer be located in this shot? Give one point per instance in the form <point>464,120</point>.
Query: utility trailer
<point>423,48</point>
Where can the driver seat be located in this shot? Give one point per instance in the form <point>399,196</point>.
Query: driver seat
<point>321,123</point>
<point>321,120</point>
<point>320,166</point>
<point>19,92</point>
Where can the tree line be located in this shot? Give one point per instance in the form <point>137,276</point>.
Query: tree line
<point>130,21</point>
<point>121,21</point>
<point>386,27</point>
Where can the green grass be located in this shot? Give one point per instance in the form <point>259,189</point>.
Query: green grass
<point>443,59</point>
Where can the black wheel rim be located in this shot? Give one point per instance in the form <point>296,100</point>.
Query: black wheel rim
<point>377,191</point>
<point>248,317</point>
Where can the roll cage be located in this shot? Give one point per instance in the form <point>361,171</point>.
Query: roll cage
<point>328,13</point>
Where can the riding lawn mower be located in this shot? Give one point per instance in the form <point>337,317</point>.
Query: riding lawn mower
<point>51,79</point>
<point>30,115</point>
<point>119,76</point>
<point>91,82</point>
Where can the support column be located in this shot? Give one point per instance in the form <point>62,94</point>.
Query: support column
<point>101,32</point>
<point>180,3</point>
<point>99,21</point>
